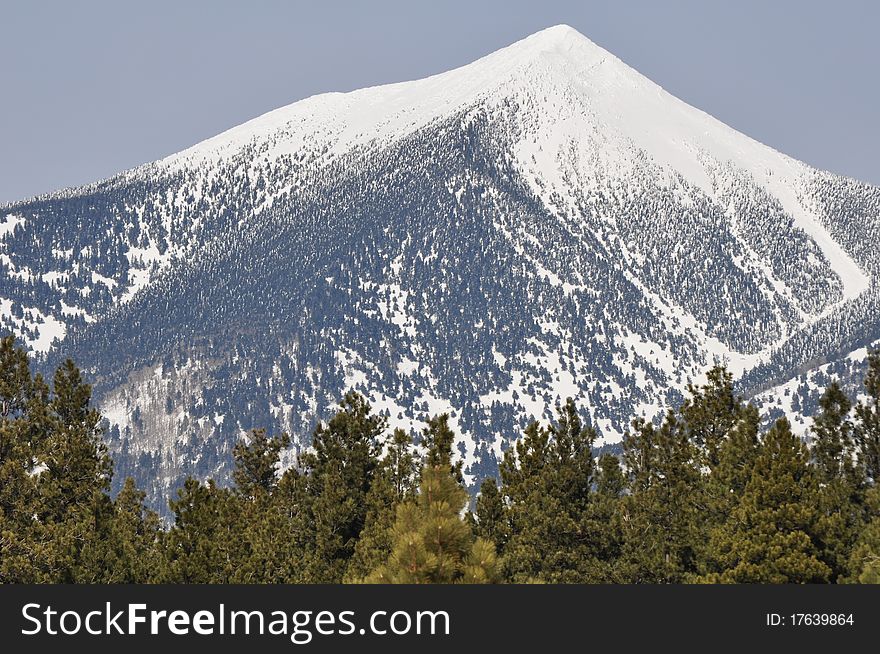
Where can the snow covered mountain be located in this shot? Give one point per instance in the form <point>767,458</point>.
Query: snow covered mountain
<point>542,223</point>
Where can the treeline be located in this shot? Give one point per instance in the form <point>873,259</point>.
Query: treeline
<point>705,495</point>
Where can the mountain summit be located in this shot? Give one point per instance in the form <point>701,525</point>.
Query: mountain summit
<point>542,223</point>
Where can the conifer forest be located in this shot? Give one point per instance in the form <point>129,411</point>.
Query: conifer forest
<point>712,493</point>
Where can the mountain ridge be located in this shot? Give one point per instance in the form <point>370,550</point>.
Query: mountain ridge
<point>544,222</point>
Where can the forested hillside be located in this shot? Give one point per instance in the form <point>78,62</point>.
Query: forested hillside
<point>703,496</point>
<point>540,224</point>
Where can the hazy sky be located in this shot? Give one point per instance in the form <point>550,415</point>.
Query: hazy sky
<point>91,88</point>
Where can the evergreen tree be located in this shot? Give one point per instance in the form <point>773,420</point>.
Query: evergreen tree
<point>832,443</point>
<point>56,508</point>
<point>437,440</point>
<point>713,418</point>
<point>710,413</point>
<point>135,540</point>
<point>699,497</point>
<point>76,461</point>
<point>610,480</point>
<point>280,533</point>
<point>605,520</point>
<point>74,490</point>
<point>770,534</point>
<point>725,484</point>
<point>206,544</point>
<point>867,427</point>
<point>401,465</point>
<point>432,543</point>
<point>24,426</point>
<point>864,559</point>
<point>256,463</point>
<point>547,478</point>
<point>490,517</point>
<point>863,565</point>
<point>265,527</point>
<point>662,513</point>
<point>339,473</point>
<point>394,483</point>
<point>841,483</point>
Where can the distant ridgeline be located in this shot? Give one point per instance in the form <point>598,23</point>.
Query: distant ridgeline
<point>542,224</point>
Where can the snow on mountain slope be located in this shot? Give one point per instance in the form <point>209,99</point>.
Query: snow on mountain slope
<point>542,223</point>
<point>582,90</point>
<point>798,398</point>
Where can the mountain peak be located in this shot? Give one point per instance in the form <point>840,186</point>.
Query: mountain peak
<point>557,35</point>
<point>557,40</point>
<point>398,108</point>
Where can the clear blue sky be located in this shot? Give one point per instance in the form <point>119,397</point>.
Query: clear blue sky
<point>91,88</point>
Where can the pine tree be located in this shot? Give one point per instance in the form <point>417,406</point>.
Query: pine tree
<point>401,465</point>
<point>725,484</point>
<point>55,510</point>
<point>394,483</point>
<point>438,440</point>
<point>710,413</point>
<point>700,497</point>
<point>662,513</point>
<point>832,436</point>
<point>864,559</point>
<point>605,521</point>
<point>72,512</point>
<point>206,544</point>
<point>770,534</point>
<point>256,463</point>
<point>722,430</point>
<point>24,426</point>
<point>265,531</point>
<point>722,488</point>
<point>74,456</point>
<point>490,517</point>
<point>863,565</point>
<point>134,541</point>
<point>280,533</point>
<point>841,483</point>
<point>339,473</point>
<point>610,481</point>
<point>867,427</point>
<point>374,543</point>
<point>432,543</point>
<point>547,478</point>
<point>525,469</point>
<point>573,455</point>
